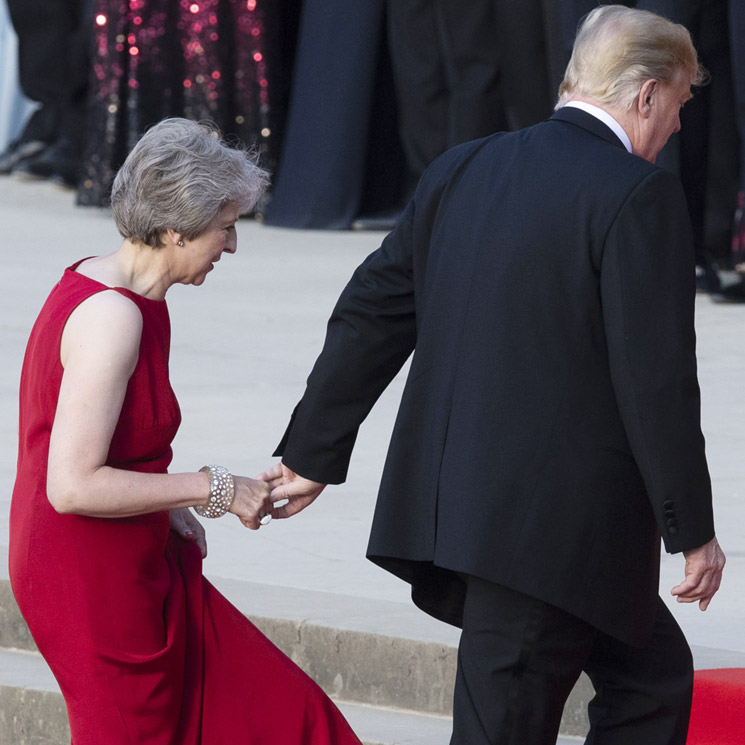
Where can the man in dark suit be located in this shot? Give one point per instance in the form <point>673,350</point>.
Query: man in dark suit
<point>704,154</point>
<point>549,428</point>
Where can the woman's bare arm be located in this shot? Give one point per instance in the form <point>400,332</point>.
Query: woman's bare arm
<point>99,352</point>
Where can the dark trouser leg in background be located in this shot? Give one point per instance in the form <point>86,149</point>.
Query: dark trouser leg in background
<point>737,47</point>
<point>53,66</point>
<point>445,61</point>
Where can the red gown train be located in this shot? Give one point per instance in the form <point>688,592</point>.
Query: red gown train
<point>145,650</point>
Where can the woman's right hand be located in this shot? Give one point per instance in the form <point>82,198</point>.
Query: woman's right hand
<point>251,501</point>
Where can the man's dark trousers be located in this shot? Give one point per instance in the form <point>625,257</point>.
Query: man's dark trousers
<point>519,658</point>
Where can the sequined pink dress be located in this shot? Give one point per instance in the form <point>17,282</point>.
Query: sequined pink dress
<point>228,61</point>
<point>145,650</point>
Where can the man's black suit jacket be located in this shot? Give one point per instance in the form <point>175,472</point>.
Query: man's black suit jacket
<point>549,428</point>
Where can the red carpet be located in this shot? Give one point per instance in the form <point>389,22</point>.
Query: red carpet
<point>718,714</point>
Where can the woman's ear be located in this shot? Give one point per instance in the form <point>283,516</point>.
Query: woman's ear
<point>174,237</point>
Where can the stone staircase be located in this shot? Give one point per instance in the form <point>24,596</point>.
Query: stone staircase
<point>32,711</point>
<point>393,690</point>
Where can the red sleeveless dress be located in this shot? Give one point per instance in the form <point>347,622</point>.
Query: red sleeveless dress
<point>145,650</point>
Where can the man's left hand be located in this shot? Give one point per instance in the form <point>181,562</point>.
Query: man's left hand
<point>703,574</point>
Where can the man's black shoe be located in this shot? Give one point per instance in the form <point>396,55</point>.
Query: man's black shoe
<point>386,221</point>
<point>19,151</point>
<point>59,163</point>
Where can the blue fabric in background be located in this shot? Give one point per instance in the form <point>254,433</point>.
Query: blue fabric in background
<point>14,106</point>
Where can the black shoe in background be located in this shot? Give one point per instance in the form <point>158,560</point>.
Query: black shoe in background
<point>731,293</point>
<point>59,162</point>
<point>386,221</point>
<point>17,152</point>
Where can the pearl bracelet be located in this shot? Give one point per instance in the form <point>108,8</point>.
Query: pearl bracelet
<point>222,489</point>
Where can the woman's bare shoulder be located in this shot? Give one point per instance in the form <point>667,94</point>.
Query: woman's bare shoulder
<point>107,324</point>
<point>109,306</point>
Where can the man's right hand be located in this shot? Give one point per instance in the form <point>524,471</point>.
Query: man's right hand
<point>703,574</point>
<point>298,491</point>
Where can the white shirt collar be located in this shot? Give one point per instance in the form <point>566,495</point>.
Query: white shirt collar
<point>604,117</point>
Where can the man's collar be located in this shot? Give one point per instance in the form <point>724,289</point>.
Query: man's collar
<point>604,117</point>
<point>588,119</point>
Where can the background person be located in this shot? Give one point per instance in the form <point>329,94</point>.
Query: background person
<point>227,61</point>
<point>549,432</point>
<point>53,63</point>
<point>105,557</point>
<point>381,88</point>
<point>735,292</point>
<point>14,106</point>
<point>459,72</point>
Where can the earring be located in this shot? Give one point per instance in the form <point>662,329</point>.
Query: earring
<point>181,243</point>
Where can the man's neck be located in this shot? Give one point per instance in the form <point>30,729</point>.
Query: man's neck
<point>611,118</point>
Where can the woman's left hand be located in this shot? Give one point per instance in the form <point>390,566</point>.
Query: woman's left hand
<point>184,524</point>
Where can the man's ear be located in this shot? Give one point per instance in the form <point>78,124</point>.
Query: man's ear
<point>646,97</point>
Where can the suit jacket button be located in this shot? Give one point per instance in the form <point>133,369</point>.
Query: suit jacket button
<point>672,530</point>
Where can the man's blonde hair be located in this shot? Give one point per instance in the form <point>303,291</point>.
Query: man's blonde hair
<point>618,48</point>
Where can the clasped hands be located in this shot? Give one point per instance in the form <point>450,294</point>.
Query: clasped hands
<point>255,499</point>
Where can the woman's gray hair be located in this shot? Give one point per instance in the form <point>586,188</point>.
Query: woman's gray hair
<point>179,176</point>
<point>617,49</point>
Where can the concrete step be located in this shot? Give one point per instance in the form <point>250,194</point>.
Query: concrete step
<point>32,711</point>
<point>405,728</point>
<point>370,652</point>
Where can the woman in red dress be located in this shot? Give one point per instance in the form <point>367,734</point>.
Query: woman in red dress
<point>105,556</point>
